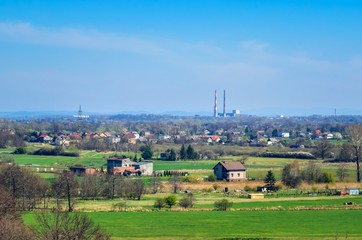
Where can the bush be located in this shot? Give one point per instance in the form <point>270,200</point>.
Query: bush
<point>327,177</point>
<point>207,190</point>
<point>222,205</point>
<point>211,178</point>
<point>192,179</point>
<point>187,202</point>
<point>171,201</point>
<point>121,206</point>
<point>7,159</point>
<point>159,203</point>
<point>297,155</point>
<point>20,150</point>
<point>58,151</point>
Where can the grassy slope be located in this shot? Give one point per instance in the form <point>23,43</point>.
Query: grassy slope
<point>217,225</point>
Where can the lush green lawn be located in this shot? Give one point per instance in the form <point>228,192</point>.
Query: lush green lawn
<point>206,201</point>
<point>184,165</point>
<point>327,224</point>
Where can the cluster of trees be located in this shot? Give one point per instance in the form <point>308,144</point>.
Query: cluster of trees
<point>186,202</point>
<point>170,173</point>
<point>22,190</point>
<point>57,151</point>
<point>32,192</point>
<point>188,153</point>
<point>28,190</point>
<point>8,139</point>
<point>109,187</point>
<point>11,224</point>
<point>292,176</point>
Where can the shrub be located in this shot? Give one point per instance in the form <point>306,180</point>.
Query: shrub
<point>20,150</point>
<point>297,155</point>
<point>327,177</point>
<point>170,200</point>
<point>222,205</point>
<point>7,159</point>
<point>58,151</point>
<point>207,190</point>
<point>211,178</point>
<point>192,179</point>
<point>187,201</point>
<point>121,206</point>
<point>215,186</point>
<point>159,203</point>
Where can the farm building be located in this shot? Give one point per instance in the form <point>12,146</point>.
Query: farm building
<point>82,170</point>
<point>118,165</point>
<point>230,171</point>
<point>145,167</point>
<point>113,162</point>
<point>353,191</point>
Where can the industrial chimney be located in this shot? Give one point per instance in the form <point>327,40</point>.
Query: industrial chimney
<point>215,105</point>
<point>224,110</point>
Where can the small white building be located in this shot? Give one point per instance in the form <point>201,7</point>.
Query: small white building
<point>285,135</point>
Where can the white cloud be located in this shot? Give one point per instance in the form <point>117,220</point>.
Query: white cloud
<point>254,45</point>
<point>72,37</point>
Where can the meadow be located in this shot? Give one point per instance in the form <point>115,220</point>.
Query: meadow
<point>228,225</point>
<point>275,217</point>
<point>205,201</point>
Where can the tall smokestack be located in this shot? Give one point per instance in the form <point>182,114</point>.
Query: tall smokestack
<point>215,105</point>
<point>224,110</point>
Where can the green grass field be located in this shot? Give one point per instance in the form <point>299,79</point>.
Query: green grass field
<point>326,224</point>
<point>257,167</point>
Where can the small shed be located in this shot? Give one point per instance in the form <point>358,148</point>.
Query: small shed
<point>256,196</point>
<point>342,192</point>
<point>353,191</point>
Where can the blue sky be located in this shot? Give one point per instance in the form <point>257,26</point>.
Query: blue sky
<point>271,57</point>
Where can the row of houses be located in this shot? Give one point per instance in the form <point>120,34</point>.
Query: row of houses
<point>62,139</point>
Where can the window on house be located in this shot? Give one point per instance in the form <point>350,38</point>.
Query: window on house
<point>232,175</point>
<point>238,174</point>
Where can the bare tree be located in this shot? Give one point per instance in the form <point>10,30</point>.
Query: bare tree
<point>355,136</point>
<point>342,171</point>
<point>290,174</point>
<point>11,225</point>
<point>90,187</point>
<point>323,148</point>
<point>155,183</point>
<point>27,188</point>
<point>11,229</point>
<point>176,183</point>
<point>7,203</point>
<point>66,186</point>
<point>62,225</point>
